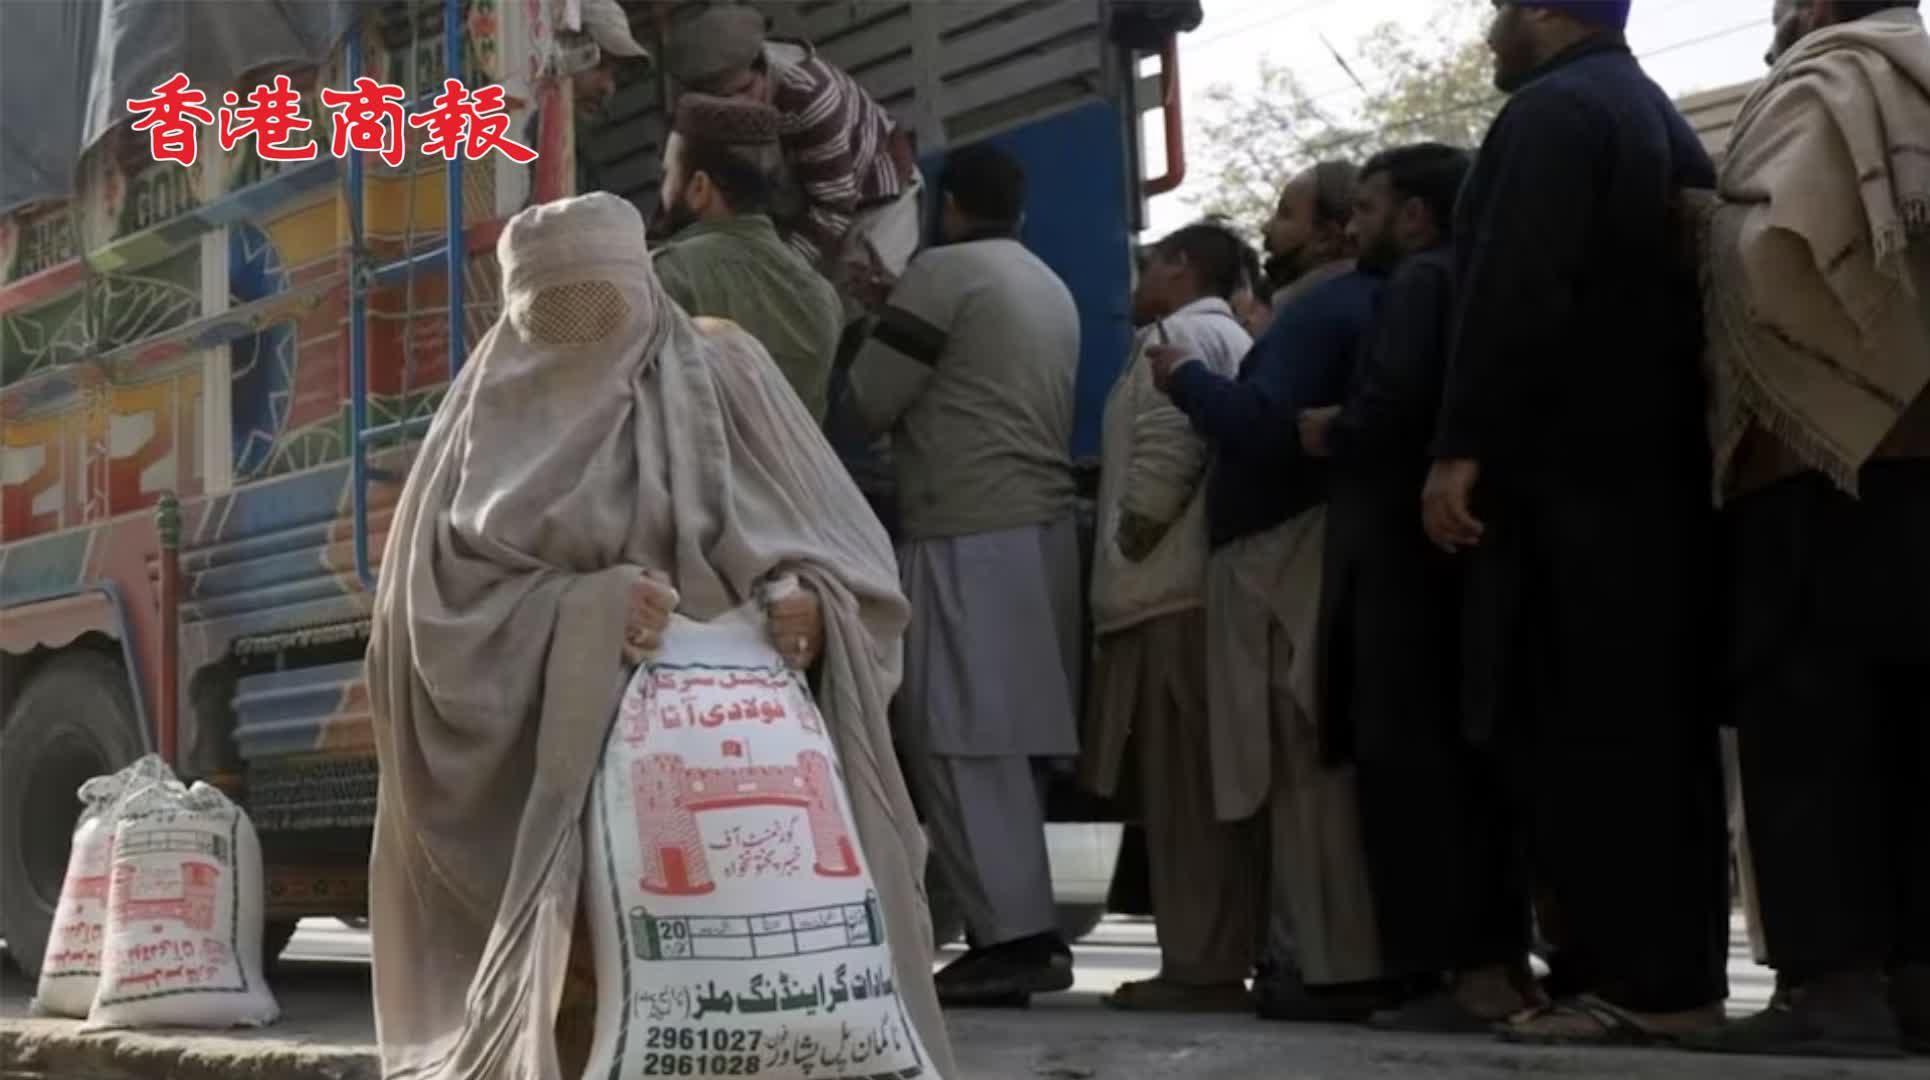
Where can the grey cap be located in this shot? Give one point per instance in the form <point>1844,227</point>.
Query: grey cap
<point>723,39</point>
<point>609,27</point>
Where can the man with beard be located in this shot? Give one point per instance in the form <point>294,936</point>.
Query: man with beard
<point>1265,509</point>
<point>1817,289</point>
<point>1571,471</point>
<point>1313,209</point>
<point>971,369</point>
<point>1450,890</point>
<point>724,257</point>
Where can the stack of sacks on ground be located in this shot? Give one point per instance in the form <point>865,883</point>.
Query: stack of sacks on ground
<point>160,915</point>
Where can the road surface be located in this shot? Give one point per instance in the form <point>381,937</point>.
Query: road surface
<point>326,1031</point>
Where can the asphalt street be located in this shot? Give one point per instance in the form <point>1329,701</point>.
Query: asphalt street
<point>327,1030</point>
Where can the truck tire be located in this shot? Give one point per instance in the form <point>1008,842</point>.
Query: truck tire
<point>74,720</point>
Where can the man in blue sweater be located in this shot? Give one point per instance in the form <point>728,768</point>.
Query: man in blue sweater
<point>1266,519</point>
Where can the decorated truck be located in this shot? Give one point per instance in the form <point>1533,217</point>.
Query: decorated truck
<point>212,374</point>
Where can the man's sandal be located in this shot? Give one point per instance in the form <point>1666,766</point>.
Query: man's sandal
<point>1581,1021</point>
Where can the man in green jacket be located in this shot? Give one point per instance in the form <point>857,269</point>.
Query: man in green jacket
<point>724,258</point>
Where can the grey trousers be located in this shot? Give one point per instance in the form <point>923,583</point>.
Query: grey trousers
<point>986,820</point>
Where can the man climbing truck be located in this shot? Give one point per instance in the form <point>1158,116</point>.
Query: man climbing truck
<point>218,349</point>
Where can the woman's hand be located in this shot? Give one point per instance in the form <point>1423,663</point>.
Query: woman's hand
<point>796,622</point>
<point>652,600</point>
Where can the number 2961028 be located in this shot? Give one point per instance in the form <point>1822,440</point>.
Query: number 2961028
<point>699,1064</point>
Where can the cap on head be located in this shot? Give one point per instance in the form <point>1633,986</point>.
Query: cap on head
<point>722,40</point>
<point>1611,14</point>
<point>608,25</point>
<point>726,120</point>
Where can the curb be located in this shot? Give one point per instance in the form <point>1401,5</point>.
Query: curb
<point>58,1048</point>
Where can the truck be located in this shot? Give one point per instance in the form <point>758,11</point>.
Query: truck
<point>212,375</point>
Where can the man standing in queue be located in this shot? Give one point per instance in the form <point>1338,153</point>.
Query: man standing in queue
<point>971,368</point>
<point>1207,877</point>
<point>1817,290</point>
<point>1450,885</point>
<point>1265,510</point>
<point>1571,471</point>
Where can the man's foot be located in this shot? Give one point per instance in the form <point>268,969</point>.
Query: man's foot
<point>1589,1020</point>
<point>1281,995</point>
<point>1006,975</point>
<point>1165,995</point>
<point>1842,1016</point>
<point>1473,1003</point>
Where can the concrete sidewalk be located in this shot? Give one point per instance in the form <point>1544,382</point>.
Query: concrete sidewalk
<point>327,1034</point>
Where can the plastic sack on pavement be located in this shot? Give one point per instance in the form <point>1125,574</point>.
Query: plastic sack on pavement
<point>184,915</point>
<point>71,967</point>
<point>736,927</point>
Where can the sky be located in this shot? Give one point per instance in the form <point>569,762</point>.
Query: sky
<point>1686,45</point>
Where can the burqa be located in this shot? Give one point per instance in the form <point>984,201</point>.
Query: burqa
<point>1574,382</point>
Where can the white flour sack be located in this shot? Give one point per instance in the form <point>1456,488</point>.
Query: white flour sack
<point>736,928</point>
<point>184,913</point>
<point>71,967</point>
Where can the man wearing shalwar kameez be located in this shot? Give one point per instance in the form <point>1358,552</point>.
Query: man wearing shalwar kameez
<point>1815,252</point>
<point>970,369</point>
<point>1266,522</point>
<point>1570,472</point>
<point>1148,611</point>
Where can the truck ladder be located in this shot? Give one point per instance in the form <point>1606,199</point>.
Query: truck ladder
<point>365,275</point>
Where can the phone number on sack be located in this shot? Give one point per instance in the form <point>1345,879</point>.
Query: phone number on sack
<point>707,1053</point>
<point>702,1064</point>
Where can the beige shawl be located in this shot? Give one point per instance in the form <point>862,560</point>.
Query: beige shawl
<point>595,431</point>
<point>1817,333</point>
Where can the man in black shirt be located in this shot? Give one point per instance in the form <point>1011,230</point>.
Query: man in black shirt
<point>1450,887</point>
<point>1572,472</point>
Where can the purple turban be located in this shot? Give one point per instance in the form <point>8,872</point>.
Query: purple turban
<point>1610,13</point>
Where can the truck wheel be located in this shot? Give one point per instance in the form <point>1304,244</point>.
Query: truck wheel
<point>74,721</point>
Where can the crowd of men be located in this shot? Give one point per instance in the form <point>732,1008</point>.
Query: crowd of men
<point>1433,553</point>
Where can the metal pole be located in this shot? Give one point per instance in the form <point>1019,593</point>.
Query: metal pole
<point>452,231</point>
<point>167,522</point>
<point>358,343</point>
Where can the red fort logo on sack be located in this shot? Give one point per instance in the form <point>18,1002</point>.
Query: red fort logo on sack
<point>368,118</point>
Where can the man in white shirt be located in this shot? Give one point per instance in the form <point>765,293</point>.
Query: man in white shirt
<point>1148,608</point>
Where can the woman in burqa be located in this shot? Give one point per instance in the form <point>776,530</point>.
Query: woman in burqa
<point>599,449</point>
